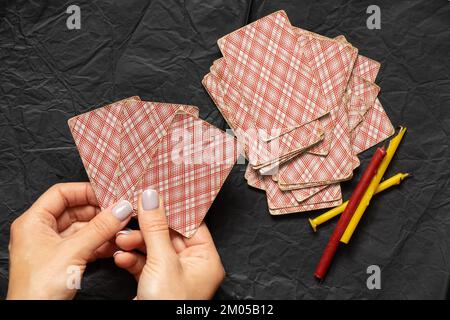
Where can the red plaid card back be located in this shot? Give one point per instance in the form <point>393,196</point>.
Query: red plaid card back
<point>286,141</point>
<point>326,193</point>
<point>361,97</point>
<point>268,66</point>
<point>332,61</point>
<point>244,112</point>
<point>144,124</point>
<point>238,116</point>
<point>97,136</point>
<point>366,68</point>
<point>282,202</point>
<point>310,170</point>
<point>188,169</point>
<point>375,127</point>
<point>317,206</point>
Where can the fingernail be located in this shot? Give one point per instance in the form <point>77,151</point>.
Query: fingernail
<point>122,210</point>
<point>150,199</point>
<point>116,253</point>
<point>124,231</point>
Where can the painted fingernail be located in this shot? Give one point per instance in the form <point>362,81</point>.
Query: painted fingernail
<point>122,210</point>
<point>124,231</point>
<point>116,253</point>
<point>150,199</point>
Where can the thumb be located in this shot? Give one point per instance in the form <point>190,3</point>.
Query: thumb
<point>153,224</point>
<point>102,227</point>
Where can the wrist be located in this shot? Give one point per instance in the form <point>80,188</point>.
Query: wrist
<point>44,293</point>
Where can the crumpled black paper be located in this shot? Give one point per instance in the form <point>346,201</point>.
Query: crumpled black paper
<point>160,50</point>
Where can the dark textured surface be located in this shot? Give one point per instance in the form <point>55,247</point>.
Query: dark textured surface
<point>160,50</point>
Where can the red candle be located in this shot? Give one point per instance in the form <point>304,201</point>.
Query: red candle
<point>346,216</point>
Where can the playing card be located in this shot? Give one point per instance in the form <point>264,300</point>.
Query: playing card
<point>375,127</point>
<point>332,192</point>
<point>278,199</point>
<point>188,168</point>
<point>260,153</point>
<point>361,90</point>
<point>284,201</point>
<point>269,70</point>
<point>274,136</point>
<point>332,60</point>
<point>366,68</point>
<point>326,193</point>
<point>254,178</point>
<point>303,208</point>
<point>97,136</point>
<point>144,124</point>
<point>279,128</point>
<point>361,96</point>
<point>310,170</point>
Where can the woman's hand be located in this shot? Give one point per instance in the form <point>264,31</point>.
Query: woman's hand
<point>168,265</point>
<point>52,241</point>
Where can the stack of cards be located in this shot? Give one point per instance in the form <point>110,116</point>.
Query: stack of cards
<point>302,106</point>
<point>131,145</point>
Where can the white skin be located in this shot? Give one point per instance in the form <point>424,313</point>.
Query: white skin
<point>65,228</point>
<point>166,264</point>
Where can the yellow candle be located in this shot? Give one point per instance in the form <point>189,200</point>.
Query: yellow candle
<point>393,145</point>
<point>392,181</point>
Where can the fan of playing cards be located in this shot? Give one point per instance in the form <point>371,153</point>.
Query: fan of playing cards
<point>302,106</point>
<point>131,145</point>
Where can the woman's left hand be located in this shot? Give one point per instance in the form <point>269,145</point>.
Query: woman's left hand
<point>51,243</point>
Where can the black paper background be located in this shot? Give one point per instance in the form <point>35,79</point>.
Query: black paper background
<point>160,50</point>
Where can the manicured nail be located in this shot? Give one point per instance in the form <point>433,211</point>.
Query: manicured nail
<point>124,231</point>
<point>122,210</point>
<point>150,199</point>
<point>117,252</point>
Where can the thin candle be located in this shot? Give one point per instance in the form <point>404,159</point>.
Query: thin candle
<point>393,145</point>
<point>344,219</point>
<point>392,181</point>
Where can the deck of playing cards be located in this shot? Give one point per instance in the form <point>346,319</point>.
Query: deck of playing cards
<point>302,107</point>
<point>131,145</point>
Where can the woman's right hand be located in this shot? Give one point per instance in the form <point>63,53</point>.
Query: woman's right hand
<point>165,264</point>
